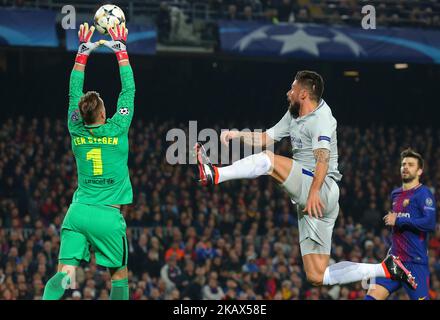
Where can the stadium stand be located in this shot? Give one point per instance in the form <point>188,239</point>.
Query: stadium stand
<point>424,13</point>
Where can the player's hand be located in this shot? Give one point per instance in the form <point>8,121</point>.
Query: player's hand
<point>314,206</point>
<point>119,34</point>
<point>390,219</point>
<point>227,136</point>
<point>84,35</point>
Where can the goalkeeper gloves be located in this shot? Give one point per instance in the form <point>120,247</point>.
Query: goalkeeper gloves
<point>85,46</point>
<point>118,43</point>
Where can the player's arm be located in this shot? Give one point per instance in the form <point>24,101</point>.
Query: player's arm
<point>426,223</point>
<point>314,205</point>
<point>260,139</point>
<point>77,75</point>
<point>125,105</point>
<point>321,137</point>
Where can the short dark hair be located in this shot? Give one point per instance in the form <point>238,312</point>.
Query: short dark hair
<point>89,106</point>
<point>410,153</point>
<point>312,81</point>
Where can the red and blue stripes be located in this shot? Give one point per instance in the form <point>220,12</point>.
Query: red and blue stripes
<point>408,243</point>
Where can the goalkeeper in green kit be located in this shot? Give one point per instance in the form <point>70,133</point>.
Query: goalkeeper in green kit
<point>100,146</point>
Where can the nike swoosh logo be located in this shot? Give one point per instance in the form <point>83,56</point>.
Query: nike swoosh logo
<point>423,298</point>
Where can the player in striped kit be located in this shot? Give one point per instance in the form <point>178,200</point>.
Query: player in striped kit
<point>412,218</point>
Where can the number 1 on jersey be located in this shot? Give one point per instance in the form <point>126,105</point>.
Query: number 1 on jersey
<point>95,156</point>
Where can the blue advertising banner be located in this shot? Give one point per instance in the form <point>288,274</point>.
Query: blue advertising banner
<point>141,39</point>
<point>28,27</point>
<point>313,41</point>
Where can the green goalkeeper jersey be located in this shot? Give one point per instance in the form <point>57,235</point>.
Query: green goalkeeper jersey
<point>101,151</point>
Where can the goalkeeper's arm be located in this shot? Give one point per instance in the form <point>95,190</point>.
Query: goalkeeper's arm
<point>125,106</point>
<point>77,75</point>
<point>85,46</point>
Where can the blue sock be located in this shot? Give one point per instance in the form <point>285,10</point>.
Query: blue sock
<point>368,297</point>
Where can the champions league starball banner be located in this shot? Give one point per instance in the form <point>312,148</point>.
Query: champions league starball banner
<point>141,39</point>
<point>28,27</point>
<point>311,41</point>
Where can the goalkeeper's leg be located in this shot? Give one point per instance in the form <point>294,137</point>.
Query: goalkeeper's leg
<point>119,289</point>
<point>62,280</point>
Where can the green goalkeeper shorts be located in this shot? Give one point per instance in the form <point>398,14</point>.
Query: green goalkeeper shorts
<point>99,227</point>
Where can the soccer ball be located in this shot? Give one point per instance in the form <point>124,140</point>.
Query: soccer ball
<point>108,15</point>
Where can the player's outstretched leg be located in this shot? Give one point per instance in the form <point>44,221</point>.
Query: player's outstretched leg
<point>347,272</point>
<point>247,168</point>
<point>120,290</point>
<point>55,287</point>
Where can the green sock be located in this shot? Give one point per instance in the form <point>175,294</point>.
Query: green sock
<point>54,289</point>
<point>119,290</point>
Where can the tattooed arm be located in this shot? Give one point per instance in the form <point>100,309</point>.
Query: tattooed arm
<point>314,205</point>
<point>322,157</point>
<point>258,139</point>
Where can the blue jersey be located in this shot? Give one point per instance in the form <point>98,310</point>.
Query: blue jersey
<point>416,217</point>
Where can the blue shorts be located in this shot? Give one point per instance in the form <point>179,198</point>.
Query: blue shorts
<point>420,272</point>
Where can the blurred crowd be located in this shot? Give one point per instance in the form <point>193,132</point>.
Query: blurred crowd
<point>238,240</point>
<point>388,13</point>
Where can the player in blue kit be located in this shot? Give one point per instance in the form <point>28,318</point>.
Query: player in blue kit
<point>412,218</point>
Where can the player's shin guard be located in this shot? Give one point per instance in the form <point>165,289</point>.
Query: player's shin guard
<point>119,290</point>
<point>55,287</point>
<point>348,272</point>
<point>247,168</point>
